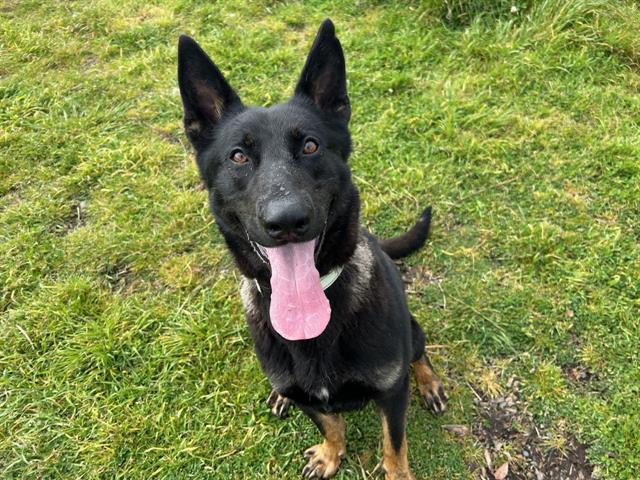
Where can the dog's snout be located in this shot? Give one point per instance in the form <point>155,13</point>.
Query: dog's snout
<point>286,219</point>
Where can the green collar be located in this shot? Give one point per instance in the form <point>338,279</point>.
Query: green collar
<point>327,280</point>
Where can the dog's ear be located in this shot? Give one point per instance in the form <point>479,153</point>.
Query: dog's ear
<point>206,95</point>
<point>324,77</point>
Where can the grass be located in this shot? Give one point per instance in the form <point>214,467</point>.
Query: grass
<point>122,346</point>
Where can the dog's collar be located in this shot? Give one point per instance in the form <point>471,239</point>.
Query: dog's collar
<point>329,279</point>
<point>326,280</point>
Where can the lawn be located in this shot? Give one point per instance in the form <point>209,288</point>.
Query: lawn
<point>123,350</point>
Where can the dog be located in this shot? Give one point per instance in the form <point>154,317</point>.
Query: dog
<point>323,299</point>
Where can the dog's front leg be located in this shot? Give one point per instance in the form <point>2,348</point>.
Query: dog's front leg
<point>325,458</point>
<point>393,409</point>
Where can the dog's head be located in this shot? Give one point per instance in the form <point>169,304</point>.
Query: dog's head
<point>279,174</point>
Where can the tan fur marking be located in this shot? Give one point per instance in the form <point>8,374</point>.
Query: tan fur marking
<point>193,127</point>
<point>394,462</point>
<point>325,458</point>
<point>425,376</point>
<point>209,101</point>
<point>430,385</point>
<point>217,107</point>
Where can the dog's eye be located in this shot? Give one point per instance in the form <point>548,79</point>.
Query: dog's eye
<point>310,146</point>
<point>238,156</point>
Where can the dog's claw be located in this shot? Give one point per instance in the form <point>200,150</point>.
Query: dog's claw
<point>313,470</point>
<point>323,462</point>
<point>435,398</point>
<point>279,404</point>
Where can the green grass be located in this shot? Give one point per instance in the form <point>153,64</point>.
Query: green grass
<point>123,350</point>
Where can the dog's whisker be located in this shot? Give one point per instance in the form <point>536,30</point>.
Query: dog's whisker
<point>257,248</point>
<point>322,235</point>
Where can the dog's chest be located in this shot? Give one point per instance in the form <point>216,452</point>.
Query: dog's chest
<point>329,380</point>
<point>312,385</point>
<point>320,374</point>
<point>315,377</point>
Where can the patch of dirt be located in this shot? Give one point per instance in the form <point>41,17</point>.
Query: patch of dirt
<point>119,277</point>
<point>417,273</point>
<point>170,137</point>
<point>584,379</point>
<point>10,197</point>
<point>295,24</point>
<point>510,435</point>
<point>89,62</point>
<point>515,447</point>
<point>199,187</point>
<point>417,276</point>
<point>579,373</point>
<point>8,6</point>
<point>75,219</point>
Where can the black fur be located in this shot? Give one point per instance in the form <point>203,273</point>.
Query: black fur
<point>406,244</point>
<point>338,370</point>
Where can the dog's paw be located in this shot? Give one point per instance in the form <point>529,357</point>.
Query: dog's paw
<point>399,476</point>
<point>434,396</point>
<point>323,461</point>
<point>279,404</point>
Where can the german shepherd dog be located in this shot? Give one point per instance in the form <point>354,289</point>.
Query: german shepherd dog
<point>324,301</point>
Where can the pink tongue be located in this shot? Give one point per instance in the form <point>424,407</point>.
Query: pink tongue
<point>299,308</point>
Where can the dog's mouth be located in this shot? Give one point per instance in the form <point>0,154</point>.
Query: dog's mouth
<point>261,250</point>
<point>299,308</point>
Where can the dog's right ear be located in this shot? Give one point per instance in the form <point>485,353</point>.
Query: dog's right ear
<point>324,77</point>
<point>206,95</point>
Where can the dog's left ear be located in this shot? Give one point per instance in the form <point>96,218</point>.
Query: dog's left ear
<point>206,95</point>
<point>324,77</point>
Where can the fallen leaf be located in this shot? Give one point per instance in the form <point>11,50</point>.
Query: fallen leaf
<point>487,458</point>
<point>460,430</point>
<point>502,472</point>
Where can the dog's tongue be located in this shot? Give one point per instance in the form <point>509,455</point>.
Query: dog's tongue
<point>299,308</point>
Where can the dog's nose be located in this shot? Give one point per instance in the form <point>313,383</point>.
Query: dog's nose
<point>285,219</point>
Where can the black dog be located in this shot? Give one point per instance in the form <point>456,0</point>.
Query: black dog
<point>324,301</point>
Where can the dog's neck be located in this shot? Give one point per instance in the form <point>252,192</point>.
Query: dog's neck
<point>325,280</point>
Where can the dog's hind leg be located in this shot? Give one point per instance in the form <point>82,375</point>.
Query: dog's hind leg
<point>325,458</point>
<point>429,384</point>
<point>279,404</point>
<point>393,408</point>
<point>417,340</point>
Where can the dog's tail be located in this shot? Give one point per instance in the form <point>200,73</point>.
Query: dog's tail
<point>407,243</point>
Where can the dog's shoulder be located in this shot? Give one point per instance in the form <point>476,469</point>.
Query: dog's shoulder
<point>359,272</point>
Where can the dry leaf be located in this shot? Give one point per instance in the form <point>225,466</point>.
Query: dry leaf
<point>487,458</point>
<point>460,430</point>
<point>502,472</point>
